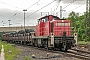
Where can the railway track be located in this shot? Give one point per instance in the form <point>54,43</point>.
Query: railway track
<point>81,56</point>
<point>88,52</point>
<point>84,55</point>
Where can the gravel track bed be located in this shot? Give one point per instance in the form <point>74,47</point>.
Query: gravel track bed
<point>82,47</point>
<point>39,54</point>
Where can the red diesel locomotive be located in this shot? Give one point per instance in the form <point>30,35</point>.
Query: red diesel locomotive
<point>54,33</point>
<point>51,33</point>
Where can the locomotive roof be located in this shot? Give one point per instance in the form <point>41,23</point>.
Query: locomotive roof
<point>53,17</point>
<point>50,15</point>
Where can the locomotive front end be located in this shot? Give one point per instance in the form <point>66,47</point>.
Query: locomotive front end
<point>63,39</point>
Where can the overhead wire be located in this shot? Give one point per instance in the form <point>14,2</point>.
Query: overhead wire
<point>40,8</point>
<point>67,5</point>
<point>76,8</point>
<point>28,7</point>
<point>19,7</point>
<point>57,7</point>
<point>33,4</point>
<point>10,5</point>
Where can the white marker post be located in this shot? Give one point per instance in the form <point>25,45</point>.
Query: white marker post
<point>2,53</point>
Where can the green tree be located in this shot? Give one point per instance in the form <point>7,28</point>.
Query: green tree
<point>79,23</point>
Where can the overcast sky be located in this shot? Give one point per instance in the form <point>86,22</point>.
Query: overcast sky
<point>13,10</point>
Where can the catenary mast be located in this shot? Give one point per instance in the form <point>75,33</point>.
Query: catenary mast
<point>88,18</point>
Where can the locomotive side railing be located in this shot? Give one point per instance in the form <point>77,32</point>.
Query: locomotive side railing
<point>45,31</point>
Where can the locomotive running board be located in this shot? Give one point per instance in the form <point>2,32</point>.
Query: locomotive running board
<point>44,37</point>
<point>62,37</point>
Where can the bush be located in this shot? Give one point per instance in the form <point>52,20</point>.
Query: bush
<point>0,36</point>
<point>27,58</point>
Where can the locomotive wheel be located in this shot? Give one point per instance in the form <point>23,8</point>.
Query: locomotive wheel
<point>39,46</point>
<point>35,45</point>
<point>45,47</point>
<point>48,48</point>
<point>64,47</point>
<point>53,49</point>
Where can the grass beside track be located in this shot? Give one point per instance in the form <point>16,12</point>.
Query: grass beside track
<point>27,58</point>
<point>9,50</point>
<point>83,42</point>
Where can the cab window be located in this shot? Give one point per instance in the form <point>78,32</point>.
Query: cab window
<point>45,19</point>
